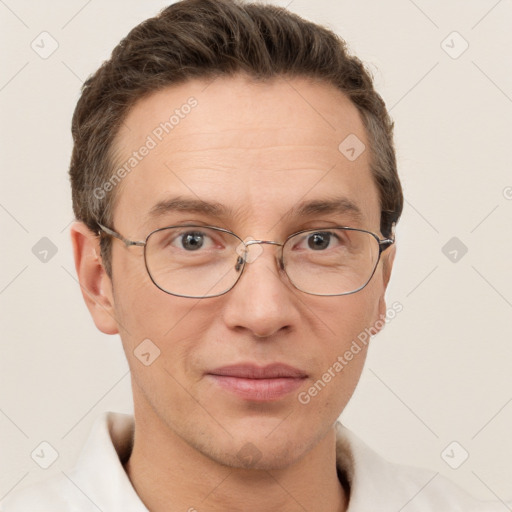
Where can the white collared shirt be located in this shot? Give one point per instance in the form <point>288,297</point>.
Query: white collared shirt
<point>99,482</point>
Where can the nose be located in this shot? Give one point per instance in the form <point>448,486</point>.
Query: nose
<point>263,301</point>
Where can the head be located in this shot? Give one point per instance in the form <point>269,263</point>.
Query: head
<point>227,114</point>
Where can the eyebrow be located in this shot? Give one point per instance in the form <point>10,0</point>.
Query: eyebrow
<point>336,205</point>
<point>180,204</point>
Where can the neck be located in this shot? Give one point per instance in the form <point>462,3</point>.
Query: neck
<point>170,475</point>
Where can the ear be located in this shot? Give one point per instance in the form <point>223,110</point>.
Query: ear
<point>95,284</point>
<point>387,265</point>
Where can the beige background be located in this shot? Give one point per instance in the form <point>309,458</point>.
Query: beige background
<point>440,371</point>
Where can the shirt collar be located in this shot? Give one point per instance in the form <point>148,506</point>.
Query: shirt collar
<point>99,472</point>
<point>109,446</point>
<point>371,479</point>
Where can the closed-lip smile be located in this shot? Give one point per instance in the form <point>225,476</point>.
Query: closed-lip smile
<point>258,383</point>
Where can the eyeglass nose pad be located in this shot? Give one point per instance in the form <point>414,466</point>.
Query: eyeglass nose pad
<point>249,250</point>
<point>239,263</point>
<point>242,252</point>
<point>243,259</point>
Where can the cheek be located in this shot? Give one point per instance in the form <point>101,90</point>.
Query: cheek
<point>174,326</point>
<point>349,315</point>
<point>142,310</point>
<point>343,352</point>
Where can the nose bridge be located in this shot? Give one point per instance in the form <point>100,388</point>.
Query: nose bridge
<point>250,256</point>
<point>260,301</point>
<point>271,242</point>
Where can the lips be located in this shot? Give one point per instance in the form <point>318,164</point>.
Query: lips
<point>258,383</point>
<point>251,371</point>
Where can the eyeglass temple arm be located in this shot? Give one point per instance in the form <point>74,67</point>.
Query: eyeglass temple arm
<point>113,233</point>
<point>388,242</point>
<point>384,244</point>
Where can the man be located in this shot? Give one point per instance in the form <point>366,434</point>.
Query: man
<point>235,188</point>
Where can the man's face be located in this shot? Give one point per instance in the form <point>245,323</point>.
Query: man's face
<point>260,151</point>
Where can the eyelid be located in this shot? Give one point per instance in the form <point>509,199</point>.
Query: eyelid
<point>301,237</point>
<point>212,237</point>
<point>321,229</point>
<point>334,229</point>
<point>191,224</point>
<point>325,225</point>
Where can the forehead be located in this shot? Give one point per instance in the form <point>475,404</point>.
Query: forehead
<point>256,149</point>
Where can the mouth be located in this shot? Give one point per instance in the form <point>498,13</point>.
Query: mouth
<point>258,383</point>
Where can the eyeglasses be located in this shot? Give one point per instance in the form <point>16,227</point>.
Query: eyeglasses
<point>205,261</point>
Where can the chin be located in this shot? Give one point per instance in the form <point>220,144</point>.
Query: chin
<point>258,455</point>
<point>258,447</point>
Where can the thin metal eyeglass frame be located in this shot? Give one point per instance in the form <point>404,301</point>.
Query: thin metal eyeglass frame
<point>384,243</point>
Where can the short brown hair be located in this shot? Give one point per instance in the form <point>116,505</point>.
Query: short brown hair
<point>204,39</point>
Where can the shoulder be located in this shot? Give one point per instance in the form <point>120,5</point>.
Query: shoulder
<point>53,494</point>
<point>97,482</point>
<point>373,479</point>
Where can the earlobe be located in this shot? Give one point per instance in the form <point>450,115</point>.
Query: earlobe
<point>94,282</point>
